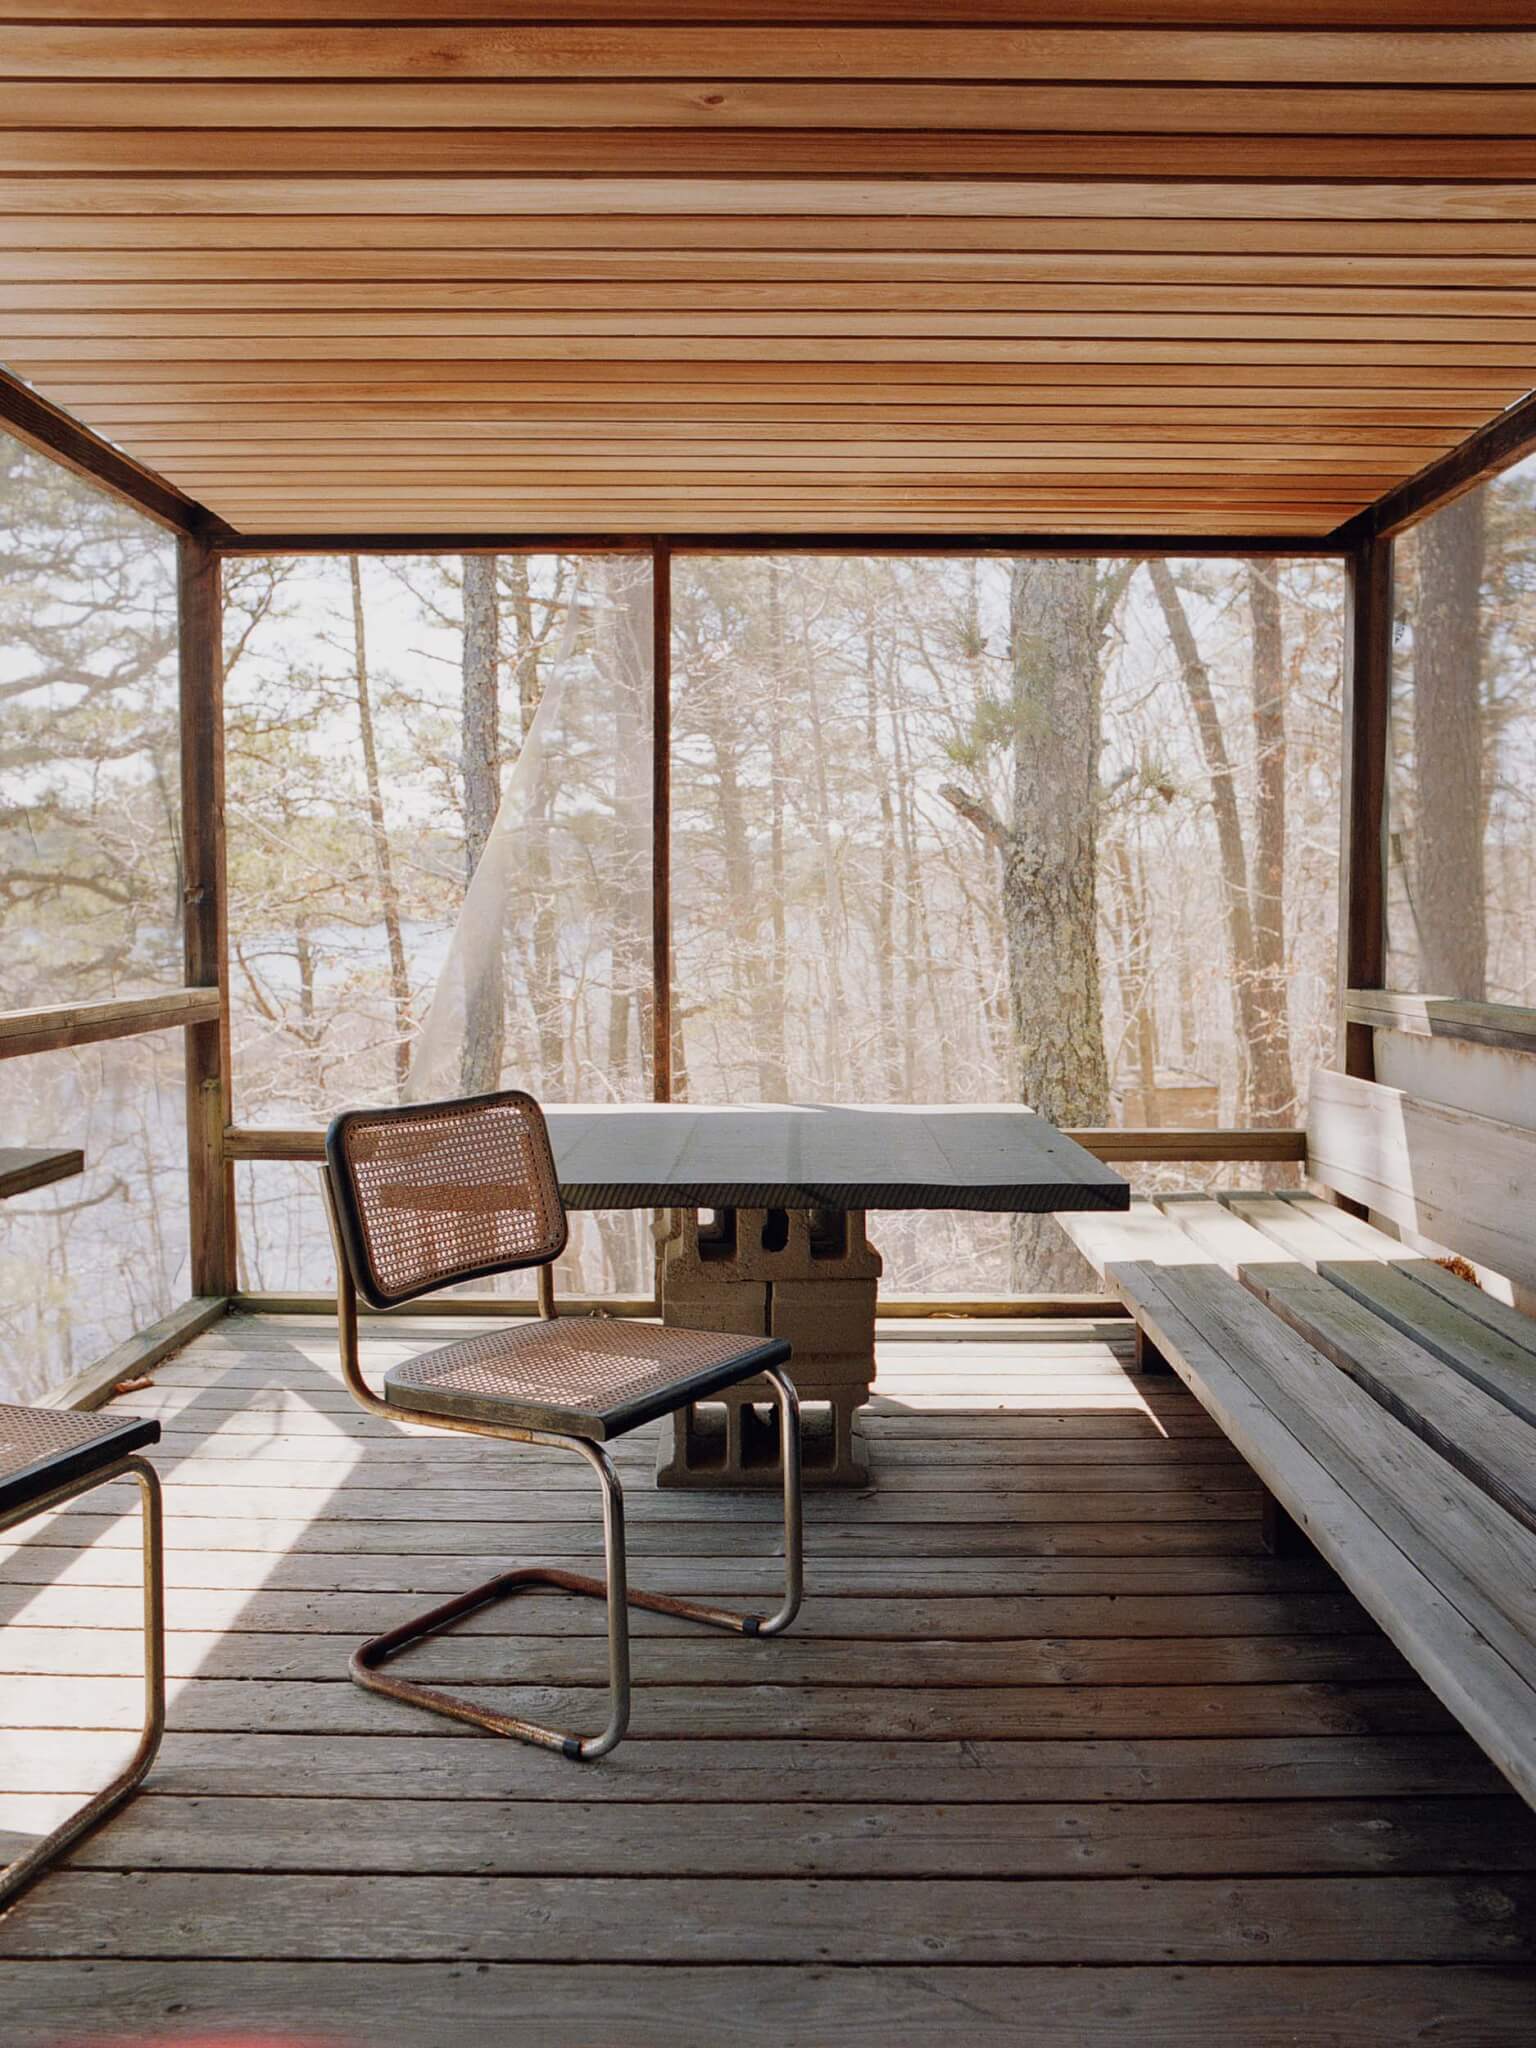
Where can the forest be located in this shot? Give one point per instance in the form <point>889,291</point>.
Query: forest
<point>943,828</point>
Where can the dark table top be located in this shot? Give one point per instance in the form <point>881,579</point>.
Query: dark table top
<point>807,1155</point>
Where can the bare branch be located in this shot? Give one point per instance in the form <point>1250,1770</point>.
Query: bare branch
<point>976,813</point>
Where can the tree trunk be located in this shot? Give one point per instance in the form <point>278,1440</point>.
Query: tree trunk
<point>778,872</point>
<point>836,1050</point>
<point>1049,851</point>
<point>1136,989</point>
<point>1229,830</point>
<point>1271,1083</point>
<point>544,968</point>
<point>480,763</point>
<point>885,924</point>
<point>1449,896</point>
<point>1050,874</point>
<point>622,658</point>
<point>384,869</point>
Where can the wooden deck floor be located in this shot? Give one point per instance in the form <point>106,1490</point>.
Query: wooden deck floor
<point>1056,1755</point>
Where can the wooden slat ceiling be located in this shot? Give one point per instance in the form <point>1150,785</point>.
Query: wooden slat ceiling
<point>1177,266</point>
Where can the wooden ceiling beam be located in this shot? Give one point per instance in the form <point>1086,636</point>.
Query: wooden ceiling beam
<point>54,433</point>
<point>1493,448</point>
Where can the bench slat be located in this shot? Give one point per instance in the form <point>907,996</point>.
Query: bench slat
<point>1481,1356</point>
<point>1496,1450</point>
<point>1343,1470</point>
<point>1503,1369</point>
<point>1139,1232</point>
<point>1224,1237</point>
<point>1512,1324</point>
<point>1305,1234</point>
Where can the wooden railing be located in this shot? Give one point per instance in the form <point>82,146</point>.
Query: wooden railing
<point>1507,1025</point>
<point>64,1024</point>
<point>53,1028</point>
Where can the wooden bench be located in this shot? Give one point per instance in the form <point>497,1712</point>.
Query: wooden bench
<point>1388,1405</point>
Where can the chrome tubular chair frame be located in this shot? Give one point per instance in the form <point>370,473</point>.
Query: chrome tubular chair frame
<point>613,1589</point>
<point>36,1859</point>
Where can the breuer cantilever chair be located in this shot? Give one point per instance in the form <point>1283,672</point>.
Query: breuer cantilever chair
<point>49,1457</point>
<point>425,1196</point>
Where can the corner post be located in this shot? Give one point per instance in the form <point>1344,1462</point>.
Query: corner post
<point>210,1176</point>
<point>1364,791</point>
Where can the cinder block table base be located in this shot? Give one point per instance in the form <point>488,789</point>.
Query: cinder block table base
<point>808,1276</point>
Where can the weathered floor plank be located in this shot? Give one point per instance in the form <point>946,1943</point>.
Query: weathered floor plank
<point>716,1659</point>
<point>771,1920</point>
<point>1054,1737</point>
<point>1082,1770</point>
<point>576,1838</point>
<point>761,1709</point>
<point>535,2005</point>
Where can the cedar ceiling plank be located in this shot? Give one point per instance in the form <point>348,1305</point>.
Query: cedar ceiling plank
<point>630,441</point>
<point>1374,15</point>
<point>846,199</point>
<point>1497,338</point>
<point>1474,360</point>
<point>359,240</point>
<point>1427,308</point>
<point>1010,424</point>
<point>1343,497</point>
<point>728,474</point>
<point>374,52</point>
<point>722,104</point>
<point>696,382</point>
<point>755,153</point>
<point>215,271</point>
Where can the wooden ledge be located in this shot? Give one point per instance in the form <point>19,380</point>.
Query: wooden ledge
<point>24,1167</point>
<point>61,1024</point>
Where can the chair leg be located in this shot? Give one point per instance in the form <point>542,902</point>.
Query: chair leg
<point>613,1589</point>
<point>16,1876</point>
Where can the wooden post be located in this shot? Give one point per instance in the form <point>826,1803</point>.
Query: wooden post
<point>210,1176</point>
<point>1363,819</point>
<point>661,822</point>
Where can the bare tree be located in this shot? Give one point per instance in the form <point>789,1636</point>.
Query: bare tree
<point>383,860</point>
<point>1449,896</point>
<point>480,764</point>
<point>1271,1082</point>
<point>1236,907</point>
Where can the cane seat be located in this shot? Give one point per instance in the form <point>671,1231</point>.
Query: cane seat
<point>586,1376</point>
<point>42,1449</point>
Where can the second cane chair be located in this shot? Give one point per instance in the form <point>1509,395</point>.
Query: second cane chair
<point>49,1457</point>
<point>435,1193</point>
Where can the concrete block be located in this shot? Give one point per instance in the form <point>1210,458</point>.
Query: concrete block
<point>735,1444</point>
<point>825,1318</point>
<point>766,1244</point>
<point>737,1306</point>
